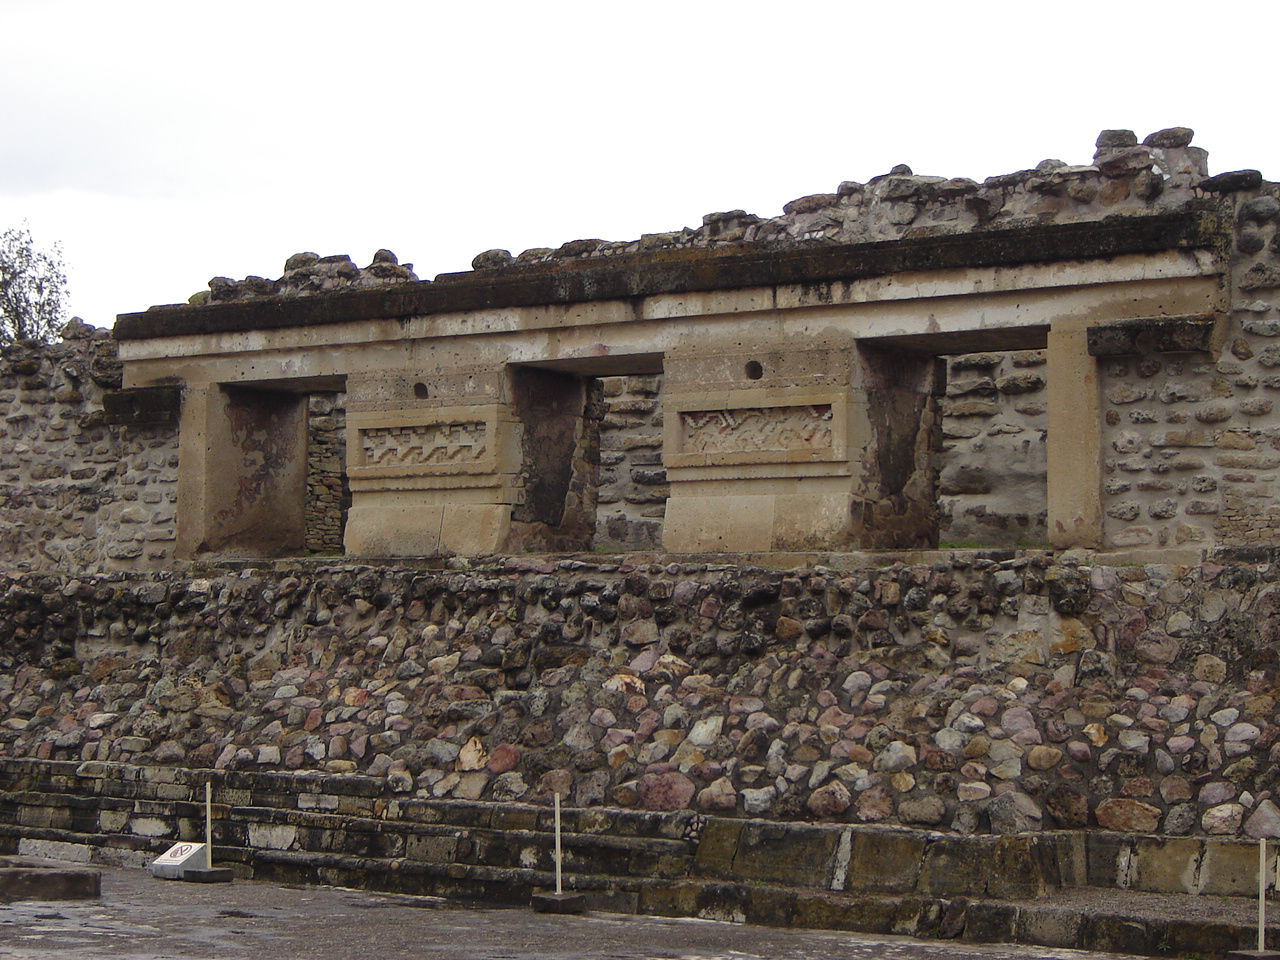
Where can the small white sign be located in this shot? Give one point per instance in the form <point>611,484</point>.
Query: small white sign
<point>171,864</point>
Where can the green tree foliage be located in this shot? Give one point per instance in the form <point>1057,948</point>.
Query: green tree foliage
<point>33,286</point>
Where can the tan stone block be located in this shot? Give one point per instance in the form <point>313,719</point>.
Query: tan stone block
<point>398,530</point>
<point>439,441</point>
<point>755,426</point>
<point>1231,869</point>
<point>1166,864</point>
<point>809,522</point>
<point>473,529</point>
<point>888,860</point>
<point>727,524</point>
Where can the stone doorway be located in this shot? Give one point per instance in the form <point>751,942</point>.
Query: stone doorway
<point>591,474</point>
<point>959,440</point>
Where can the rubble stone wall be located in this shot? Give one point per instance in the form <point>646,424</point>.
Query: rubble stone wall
<point>1191,449</point>
<point>1190,441</point>
<point>633,484</point>
<point>328,497</point>
<point>75,492</point>
<point>978,694</point>
<point>991,484</point>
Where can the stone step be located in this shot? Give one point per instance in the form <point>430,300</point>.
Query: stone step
<point>1085,918</point>
<point>253,828</point>
<point>346,794</point>
<point>603,854</point>
<point>32,878</point>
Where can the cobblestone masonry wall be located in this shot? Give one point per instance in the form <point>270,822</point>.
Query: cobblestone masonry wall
<point>328,497</point>
<point>974,694</point>
<point>1191,443</point>
<point>633,483</point>
<point>76,493</point>
<point>991,483</point>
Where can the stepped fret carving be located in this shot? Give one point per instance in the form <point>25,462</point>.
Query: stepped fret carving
<point>424,444</point>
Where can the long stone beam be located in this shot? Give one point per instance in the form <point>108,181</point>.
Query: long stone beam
<point>688,270</point>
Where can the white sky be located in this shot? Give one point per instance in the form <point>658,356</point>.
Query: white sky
<point>163,143</point>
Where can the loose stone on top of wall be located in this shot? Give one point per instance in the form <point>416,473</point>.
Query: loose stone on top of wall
<point>1124,177</point>
<point>306,274</point>
<point>975,694</point>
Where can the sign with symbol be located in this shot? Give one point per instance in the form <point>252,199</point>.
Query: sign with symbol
<point>171,864</point>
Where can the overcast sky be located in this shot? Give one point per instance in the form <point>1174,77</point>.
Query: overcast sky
<point>164,143</point>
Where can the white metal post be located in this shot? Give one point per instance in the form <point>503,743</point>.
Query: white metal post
<point>559,888</point>
<point>208,824</point>
<point>1262,894</point>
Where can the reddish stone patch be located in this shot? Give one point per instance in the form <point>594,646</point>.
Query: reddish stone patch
<point>665,791</point>
<point>504,757</point>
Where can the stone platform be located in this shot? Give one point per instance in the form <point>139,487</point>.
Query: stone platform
<point>32,878</point>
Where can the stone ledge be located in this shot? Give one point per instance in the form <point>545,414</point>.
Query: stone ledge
<point>1082,917</point>
<point>634,844</point>
<point>684,271</point>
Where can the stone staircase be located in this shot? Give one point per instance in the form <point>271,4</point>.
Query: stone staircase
<point>1087,889</point>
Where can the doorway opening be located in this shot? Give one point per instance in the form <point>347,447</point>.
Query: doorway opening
<point>959,427</point>
<point>591,476</point>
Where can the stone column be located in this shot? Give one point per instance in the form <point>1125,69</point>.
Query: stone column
<point>760,445</point>
<point>432,461</point>
<point>1074,442</point>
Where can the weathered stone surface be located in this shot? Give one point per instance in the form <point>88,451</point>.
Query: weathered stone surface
<point>829,801</point>
<point>1170,138</point>
<point>929,811</point>
<point>1232,181</point>
<point>1013,812</point>
<point>1122,813</point>
<point>1223,819</point>
<point>665,791</point>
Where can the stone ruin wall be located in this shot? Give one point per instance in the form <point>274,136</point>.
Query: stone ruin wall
<point>75,492</point>
<point>972,694</point>
<point>1191,445</point>
<point>78,493</point>
<point>1190,449</point>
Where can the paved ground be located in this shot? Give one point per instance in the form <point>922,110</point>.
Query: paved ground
<point>140,918</point>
